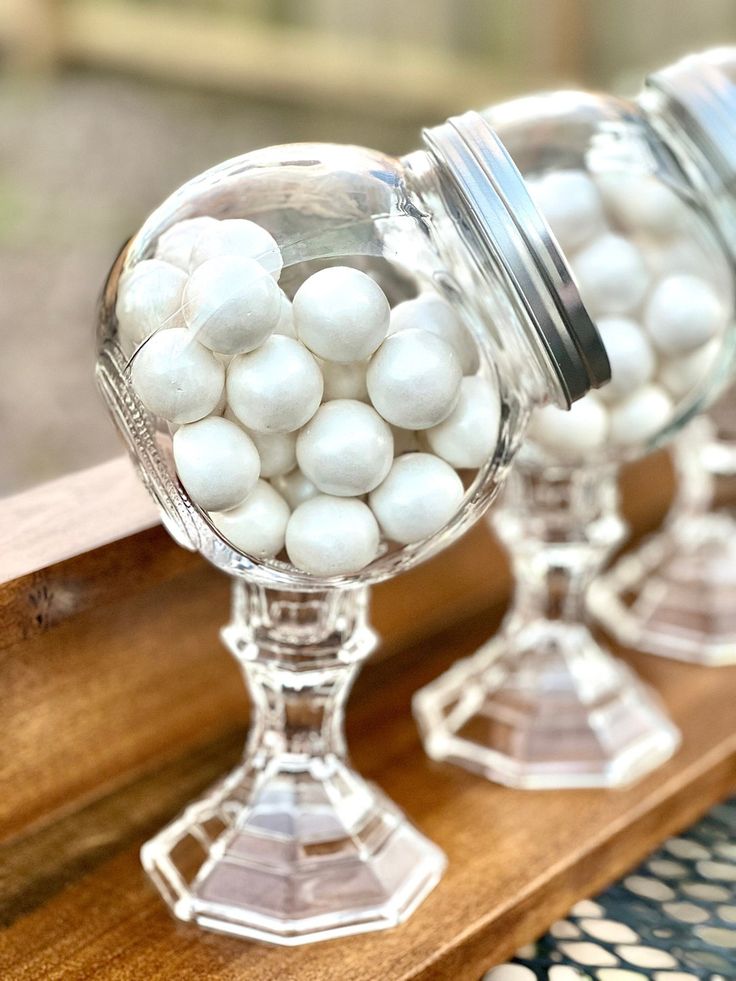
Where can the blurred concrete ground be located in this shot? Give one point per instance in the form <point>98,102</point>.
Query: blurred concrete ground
<point>83,159</point>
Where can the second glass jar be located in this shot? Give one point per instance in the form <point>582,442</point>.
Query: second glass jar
<point>544,704</point>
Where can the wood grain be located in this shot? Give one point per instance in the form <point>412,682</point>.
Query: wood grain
<point>110,659</point>
<point>517,860</point>
<point>72,515</point>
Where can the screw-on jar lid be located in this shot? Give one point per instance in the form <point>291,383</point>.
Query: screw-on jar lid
<point>490,197</point>
<point>699,95</point>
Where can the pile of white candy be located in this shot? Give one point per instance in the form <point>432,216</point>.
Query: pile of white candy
<point>656,295</point>
<point>287,414</point>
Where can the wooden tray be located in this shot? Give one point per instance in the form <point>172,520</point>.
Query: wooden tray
<point>101,749</point>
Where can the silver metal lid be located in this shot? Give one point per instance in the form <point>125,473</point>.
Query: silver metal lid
<point>699,96</point>
<point>491,198</point>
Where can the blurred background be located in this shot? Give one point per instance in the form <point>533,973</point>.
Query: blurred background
<point>108,105</point>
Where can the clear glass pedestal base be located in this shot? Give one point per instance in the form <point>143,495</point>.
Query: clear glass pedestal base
<point>294,846</point>
<point>546,709</point>
<point>293,858</point>
<point>675,596</point>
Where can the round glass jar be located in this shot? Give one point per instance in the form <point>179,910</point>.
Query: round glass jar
<point>307,300</point>
<point>675,595</point>
<point>543,704</point>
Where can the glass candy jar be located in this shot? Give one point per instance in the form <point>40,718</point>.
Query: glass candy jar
<point>676,594</point>
<point>323,360</point>
<point>543,704</point>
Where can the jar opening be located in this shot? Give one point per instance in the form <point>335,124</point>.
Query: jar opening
<point>487,197</point>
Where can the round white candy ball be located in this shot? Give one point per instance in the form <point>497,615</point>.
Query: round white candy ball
<point>285,323</point>
<point>430,312</point>
<point>571,205</point>
<point>344,381</point>
<point>569,435</point>
<point>641,416</point>
<point>176,243</point>
<point>149,298</point>
<point>417,499</point>
<point>681,375</point>
<point>276,388</point>
<point>256,527</point>
<point>683,313</point>
<point>414,379</point>
<point>641,203</point>
<point>346,449</point>
<point>277,452</point>
<point>238,237</point>
<point>468,436</point>
<point>341,314</point>
<point>294,487</point>
<point>231,304</point>
<point>630,355</point>
<point>176,378</point>
<point>612,275</point>
<point>216,461</point>
<point>332,536</point>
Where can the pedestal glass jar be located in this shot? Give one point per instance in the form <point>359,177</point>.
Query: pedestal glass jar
<point>323,360</point>
<point>543,704</point>
<point>676,595</point>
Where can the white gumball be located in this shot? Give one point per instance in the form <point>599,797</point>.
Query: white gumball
<point>275,389</point>
<point>238,237</point>
<point>285,323</point>
<point>277,452</point>
<point>217,463</point>
<point>294,487</point>
<point>642,203</point>
<point>176,243</point>
<point>332,536</point>
<point>149,298</point>
<point>612,276</point>
<point>176,378</point>
<point>641,416</point>
<point>414,379</point>
<point>570,435</point>
<point>418,497</point>
<point>467,437</point>
<point>430,312</point>
<point>571,205</point>
<point>681,375</point>
<point>344,381</point>
<point>630,355</point>
<point>257,526</point>
<point>231,304</point>
<point>346,449</point>
<point>683,313</point>
<point>341,314</point>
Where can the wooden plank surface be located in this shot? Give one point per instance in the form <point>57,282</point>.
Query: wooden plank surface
<point>119,704</point>
<point>78,905</point>
<point>111,658</point>
<point>72,515</point>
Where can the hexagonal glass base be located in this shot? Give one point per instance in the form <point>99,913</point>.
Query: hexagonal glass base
<point>675,596</point>
<point>292,858</point>
<point>548,708</point>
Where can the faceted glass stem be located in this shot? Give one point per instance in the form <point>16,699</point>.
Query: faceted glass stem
<point>675,595</point>
<point>543,704</point>
<point>294,846</point>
